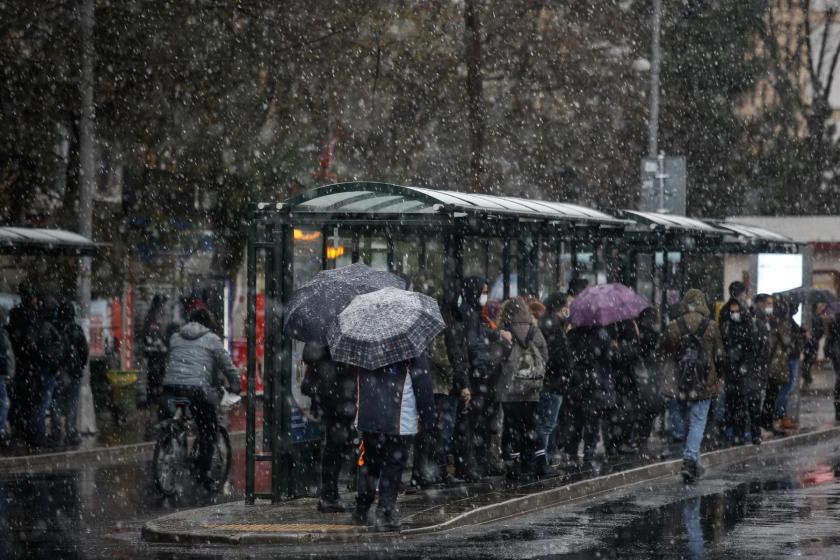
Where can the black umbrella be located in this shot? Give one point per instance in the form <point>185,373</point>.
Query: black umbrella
<point>798,296</point>
<point>314,305</point>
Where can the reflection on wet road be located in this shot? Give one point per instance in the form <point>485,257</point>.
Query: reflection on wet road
<point>66,514</point>
<point>787,507</point>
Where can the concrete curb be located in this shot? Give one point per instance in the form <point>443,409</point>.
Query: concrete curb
<point>155,531</point>
<point>62,460</point>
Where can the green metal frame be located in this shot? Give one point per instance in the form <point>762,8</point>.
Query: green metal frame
<point>270,233</point>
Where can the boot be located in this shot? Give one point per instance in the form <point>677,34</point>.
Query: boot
<point>788,424</point>
<point>689,471</point>
<point>386,521</point>
<point>542,469</point>
<point>360,516</point>
<point>513,468</point>
<point>330,506</point>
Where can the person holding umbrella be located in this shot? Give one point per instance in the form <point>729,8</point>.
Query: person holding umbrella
<point>592,393</point>
<point>385,336</point>
<point>330,385</point>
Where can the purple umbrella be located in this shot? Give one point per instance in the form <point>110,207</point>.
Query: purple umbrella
<point>831,309</point>
<point>606,304</point>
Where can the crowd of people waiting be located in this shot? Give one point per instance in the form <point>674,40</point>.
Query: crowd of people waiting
<point>517,390</point>
<point>43,354</point>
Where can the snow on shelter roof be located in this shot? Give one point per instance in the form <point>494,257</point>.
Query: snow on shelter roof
<point>755,233</point>
<point>23,240</point>
<point>673,221</point>
<point>384,198</point>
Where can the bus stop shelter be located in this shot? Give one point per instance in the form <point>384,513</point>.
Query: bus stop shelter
<point>519,245</point>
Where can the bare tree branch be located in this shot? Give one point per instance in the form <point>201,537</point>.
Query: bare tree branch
<point>833,67</point>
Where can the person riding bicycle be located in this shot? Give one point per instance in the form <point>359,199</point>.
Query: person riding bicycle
<point>196,366</point>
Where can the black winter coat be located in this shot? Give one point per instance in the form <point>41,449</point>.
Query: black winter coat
<point>739,342</point>
<point>592,386</point>
<point>484,351</point>
<point>330,385</point>
<point>558,369</point>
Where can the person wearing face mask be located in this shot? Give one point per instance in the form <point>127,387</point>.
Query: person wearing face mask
<point>553,325</point>
<point>486,345</point>
<point>737,329</point>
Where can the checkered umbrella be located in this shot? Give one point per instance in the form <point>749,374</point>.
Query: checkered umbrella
<point>316,304</point>
<point>384,327</point>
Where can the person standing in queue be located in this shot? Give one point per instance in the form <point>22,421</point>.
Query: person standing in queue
<point>332,388</point>
<point>692,347</point>
<point>395,403</point>
<point>737,330</point>
<point>520,381</point>
<point>482,339</point>
<point>554,325</point>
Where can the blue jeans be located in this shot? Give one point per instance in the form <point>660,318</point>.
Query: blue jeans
<point>676,421</point>
<point>548,410</point>
<point>693,530</point>
<point>67,397</point>
<point>787,389</point>
<point>695,413</point>
<point>46,384</point>
<point>4,405</point>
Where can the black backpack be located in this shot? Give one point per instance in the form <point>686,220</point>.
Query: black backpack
<point>693,362</point>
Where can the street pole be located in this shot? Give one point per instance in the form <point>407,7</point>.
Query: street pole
<point>653,118</point>
<point>87,182</point>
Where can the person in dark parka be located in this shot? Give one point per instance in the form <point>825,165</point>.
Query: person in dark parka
<point>22,329</point>
<point>739,335</point>
<point>72,370</point>
<point>483,341</point>
<point>332,388</point>
<point>592,389</point>
<point>447,365</point>
<point>558,371</point>
<point>49,358</point>
<point>395,403</point>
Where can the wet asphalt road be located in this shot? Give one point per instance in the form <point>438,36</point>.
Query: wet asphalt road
<point>789,507</point>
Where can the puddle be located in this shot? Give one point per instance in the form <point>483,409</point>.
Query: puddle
<point>790,516</point>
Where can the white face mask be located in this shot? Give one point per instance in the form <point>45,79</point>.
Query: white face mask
<point>768,310</point>
<point>483,300</point>
<point>736,317</point>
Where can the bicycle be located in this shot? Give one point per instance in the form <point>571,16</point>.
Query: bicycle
<point>176,452</point>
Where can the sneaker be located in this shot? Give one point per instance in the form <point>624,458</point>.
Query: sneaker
<point>74,439</point>
<point>756,439</point>
<point>386,521</point>
<point>325,506</point>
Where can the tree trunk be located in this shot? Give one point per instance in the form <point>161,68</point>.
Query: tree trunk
<point>475,93</point>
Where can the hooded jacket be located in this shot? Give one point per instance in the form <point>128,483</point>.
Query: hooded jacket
<point>198,358</point>
<point>739,342</point>
<point>51,347</point>
<point>558,371</point>
<point>517,318</point>
<point>483,349</point>
<point>693,311</point>
<point>396,399</point>
<point>75,344</point>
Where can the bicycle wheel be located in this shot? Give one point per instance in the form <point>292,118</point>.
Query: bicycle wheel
<point>168,460</point>
<point>220,465</point>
